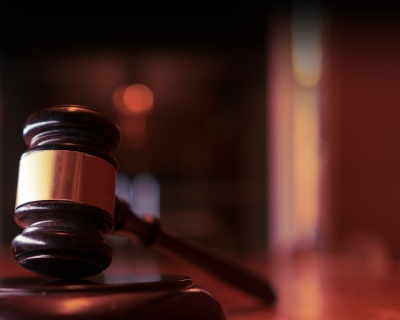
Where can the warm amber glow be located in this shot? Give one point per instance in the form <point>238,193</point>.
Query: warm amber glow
<point>306,163</point>
<point>136,98</point>
<point>74,305</point>
<point>294,124</point>
<point>66,175</point>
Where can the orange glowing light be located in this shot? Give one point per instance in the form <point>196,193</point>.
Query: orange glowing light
<point>136,98</point>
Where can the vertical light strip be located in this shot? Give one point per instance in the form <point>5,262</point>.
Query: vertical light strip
<point>306,62</point>
<point>280,134</point>
<point>295,70</point>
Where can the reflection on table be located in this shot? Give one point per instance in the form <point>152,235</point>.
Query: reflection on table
<point>309,285</point>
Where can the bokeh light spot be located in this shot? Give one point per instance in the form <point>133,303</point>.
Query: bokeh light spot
<point>136,98</point>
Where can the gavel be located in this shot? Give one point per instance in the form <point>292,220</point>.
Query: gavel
<point>66,202</point>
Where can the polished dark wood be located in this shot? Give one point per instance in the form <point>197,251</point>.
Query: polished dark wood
<point>309,285</point>
<point>63,239</point>
<point>144,297</point>
<point>72,127</point>
<point>108,297</point>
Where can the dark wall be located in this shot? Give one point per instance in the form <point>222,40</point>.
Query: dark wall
<point>207,146</point>
<point>361,124</point>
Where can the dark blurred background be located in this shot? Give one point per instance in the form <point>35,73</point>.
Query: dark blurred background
<point>274,124</point>
<point>204,137</point>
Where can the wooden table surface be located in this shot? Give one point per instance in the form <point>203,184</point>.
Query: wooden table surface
<point>309,286</point>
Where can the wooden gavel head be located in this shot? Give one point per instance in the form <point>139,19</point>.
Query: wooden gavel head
<point>66,192</point>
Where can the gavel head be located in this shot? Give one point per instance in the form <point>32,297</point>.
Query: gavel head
<point>66,192</point>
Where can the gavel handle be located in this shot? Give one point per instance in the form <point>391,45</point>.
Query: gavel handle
<point>148,231</point>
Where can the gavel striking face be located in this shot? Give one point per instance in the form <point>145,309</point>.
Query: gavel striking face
<point>66,192</point>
